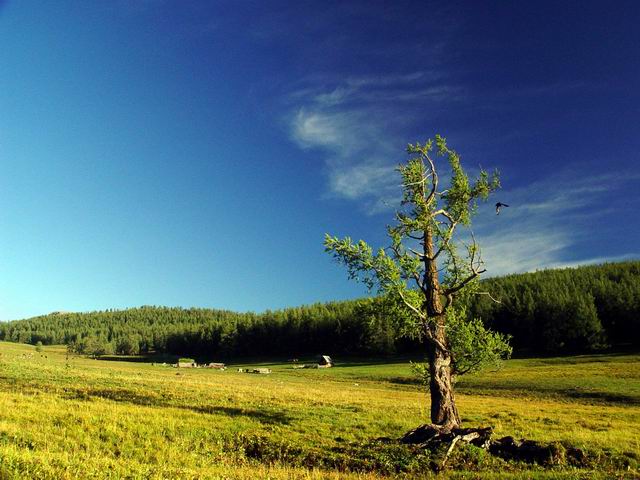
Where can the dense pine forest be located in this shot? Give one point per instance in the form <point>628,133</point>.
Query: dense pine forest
<point>552,311</point>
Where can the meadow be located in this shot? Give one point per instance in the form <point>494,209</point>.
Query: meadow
<point>67,416</point>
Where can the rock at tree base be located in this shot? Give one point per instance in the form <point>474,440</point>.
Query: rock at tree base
<point>431,437</point>
<point>536,452</point>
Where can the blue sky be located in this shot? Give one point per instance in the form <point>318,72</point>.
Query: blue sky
<point>194,153</point>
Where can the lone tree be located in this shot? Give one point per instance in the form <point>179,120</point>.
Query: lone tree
<point>423,273</point>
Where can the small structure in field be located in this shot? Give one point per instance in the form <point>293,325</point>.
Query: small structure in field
<point>325,361</point>
<point>263,371</point>
<point>217,366</point>
<point>186,363</point>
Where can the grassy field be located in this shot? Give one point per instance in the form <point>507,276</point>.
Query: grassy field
<point>74,417</point>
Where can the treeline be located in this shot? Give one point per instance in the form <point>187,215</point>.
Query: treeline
<point>341,327</point>
<point>568,310</point>
<point>557,311</point>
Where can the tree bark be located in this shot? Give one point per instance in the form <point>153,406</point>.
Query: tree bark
<point>443,405</point>
<point>444,412</point>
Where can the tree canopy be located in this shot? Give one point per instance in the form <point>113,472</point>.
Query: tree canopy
<point>424,273</point>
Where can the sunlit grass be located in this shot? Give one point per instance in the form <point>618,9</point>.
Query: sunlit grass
<point>74,417</point>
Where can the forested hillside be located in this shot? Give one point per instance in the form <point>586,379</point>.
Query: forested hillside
<point>567,310</point>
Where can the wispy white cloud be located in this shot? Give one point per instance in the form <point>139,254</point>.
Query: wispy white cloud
<point>547,218</point>
<point>359,158</point>
<point>545,222</point>
<point>366,179</point>
<point>341,133</point>
<point>359,134</point>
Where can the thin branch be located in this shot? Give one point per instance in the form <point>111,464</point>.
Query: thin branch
<point>411,307</point>
<point>473,254</point>
<point>424,179</point>
<point>456,271</point>
<point>432,338</point>
<point>488,295</point>
<point>464,282</point>
<point>449,301</point>
<point>434,182</point>
<point>443,212</point>
<point>446,240</point>
<point>449,450</point>
<point>414,275</point>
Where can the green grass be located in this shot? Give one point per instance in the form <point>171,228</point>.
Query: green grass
<point>81,418</point>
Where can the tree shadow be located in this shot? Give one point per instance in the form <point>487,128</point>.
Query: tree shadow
<point>143,358</point>
<point>120,395</point>
<point>605,397</point>
<point>134,397</point>
<point>585,395</point>
<point>403,380</point>
<point>263,416</point>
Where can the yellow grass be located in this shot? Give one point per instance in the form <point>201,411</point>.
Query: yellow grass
<point>84,418</point>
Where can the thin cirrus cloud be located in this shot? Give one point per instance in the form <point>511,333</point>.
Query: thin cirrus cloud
<point>359,125</point>
<point>356,123</point>
<point>546,221</point>
<point>541,229</point>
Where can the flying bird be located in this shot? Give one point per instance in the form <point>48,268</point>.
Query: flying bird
<point>499,205</point>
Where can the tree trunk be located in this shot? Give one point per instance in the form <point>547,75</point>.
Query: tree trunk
<point>443,405</point>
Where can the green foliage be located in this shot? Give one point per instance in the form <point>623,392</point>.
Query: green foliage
<point>408,278</point>
<point>569,310</point>
<point>93,346</point>
<point>474,347</point>
<point>128,345</point>
<point>425,207</point>
<point>38,346</point>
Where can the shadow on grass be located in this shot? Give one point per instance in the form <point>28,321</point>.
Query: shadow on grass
<point>133,397</point>
<point>407,381</point>
<point>606,397</point>
<point>150,358</point>
<point>587,395</point>
<point>263,416</point>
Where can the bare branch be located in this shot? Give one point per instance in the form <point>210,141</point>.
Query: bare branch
<point>464,282</point>
<point>434,183</point>
<point>473,254</point>
<point>432,338</point>
<point>488,295</point>
<point>449,301</point>
<point>446,240</point>
<point>456,270</point>
<point>411,307</point>
<point>444,213</point>
<point>419,182</point>
<point>415,275</point>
